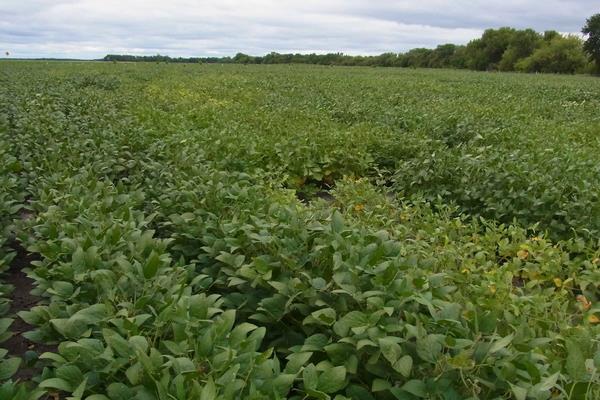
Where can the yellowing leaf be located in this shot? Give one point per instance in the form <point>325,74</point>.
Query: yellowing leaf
<point>523,254</point>
<point>585,303</point>
<point>593,319</point>
<point>558,282</point>
<point>533,275</point>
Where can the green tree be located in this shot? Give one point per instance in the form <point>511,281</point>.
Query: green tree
<point>549,35</point>
<point>386,59</point>
<point>562,55</point>
<point>523,43</point>
<point>592,44</point>
<point>416,58</point>
<point>241,58</point>
<point>486,52</point>
<point>442,56</point>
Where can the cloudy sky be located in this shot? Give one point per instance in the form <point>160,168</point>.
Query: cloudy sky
<point>93,28</point>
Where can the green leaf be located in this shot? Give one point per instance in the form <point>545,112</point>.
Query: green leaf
<point>317,394</point>
<point>119,391</point>
<point>337,222</point>
<point>296,361</point>
<point>390,349</point>
<point>359,392</point>
<point>135,373</point>
<point>502,343</point>
<point>325,316</point>
<point>226,322</point>
<point>78,393</point>
<point>575,363</point>
<point>315,342</point>
<point>351,320</point>
<point>339,353</point>
<point>228,377</point>
<point>332,380</point>
<point>56,383</point>
<point>36,316</point>
<point>548,382</point>
<point>63,289</point>
<point>5,324</point>
<point>52,356</point>
<point>209,391</point>
<point>71,374</point>
<point>310,377</point>
<point>519,392</point>
<point>415,387</point>
<point>380,385</point>
<point>283,382</point>
<point>91,315</point>
<point>140,343</point>
<point>9,367</point>
<point>404,365</point>
<point>429,348</point>
<point>117,342</point>
<point>233,260</point>
<point>69,328</point>
<point>78,258</point>
<point>151,265</point>
<point>184,365</point>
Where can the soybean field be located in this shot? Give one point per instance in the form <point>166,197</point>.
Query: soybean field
<point>188,231</point>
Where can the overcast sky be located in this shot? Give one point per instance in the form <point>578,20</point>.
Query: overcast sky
<point>93,28</point>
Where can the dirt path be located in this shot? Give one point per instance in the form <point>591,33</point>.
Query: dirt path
<point>21,300</point>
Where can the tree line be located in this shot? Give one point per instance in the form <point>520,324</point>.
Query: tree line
<point>154,58</point>
<point>503,49</point>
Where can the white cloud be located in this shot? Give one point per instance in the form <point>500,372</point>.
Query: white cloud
<point>92,28</point>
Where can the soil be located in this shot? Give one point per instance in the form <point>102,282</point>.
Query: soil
<point>22,299</point>
<point>321,194</point>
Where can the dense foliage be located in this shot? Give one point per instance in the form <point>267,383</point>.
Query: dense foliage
<point>444,247</point>
<point>592,43</point>
<point>503,49</point>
